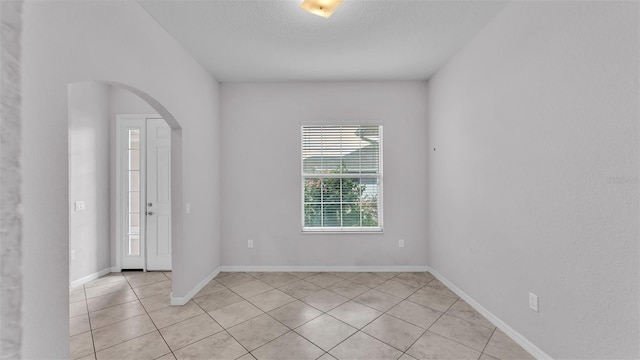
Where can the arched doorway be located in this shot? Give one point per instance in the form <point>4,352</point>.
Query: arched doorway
<point>96,237</point>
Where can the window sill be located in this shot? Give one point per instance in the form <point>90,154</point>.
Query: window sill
<point>342,231</point>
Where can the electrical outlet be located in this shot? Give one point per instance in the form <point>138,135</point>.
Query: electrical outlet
<point>73,254</point>
<point>250,244</point>
<point>401,243</point>
<point>533,302</point>
<point>187,208</point>
<point>79,205</point>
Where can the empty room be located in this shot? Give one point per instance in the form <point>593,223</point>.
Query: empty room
<point>320,179</point>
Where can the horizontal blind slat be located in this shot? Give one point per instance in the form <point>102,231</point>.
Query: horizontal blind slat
<point>340,149</point>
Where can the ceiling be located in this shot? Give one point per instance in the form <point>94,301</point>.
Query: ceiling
<point>275,40</point>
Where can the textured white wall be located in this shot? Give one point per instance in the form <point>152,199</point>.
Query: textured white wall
<point>89,179</point>
<point>534,182</point>
<point>261,172</point>
<point>10,180</point>
<point>93,107</point>
<point>68,42</point>
<point>124,101</point>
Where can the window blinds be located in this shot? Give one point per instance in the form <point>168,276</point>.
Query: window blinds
<point>342,177</point>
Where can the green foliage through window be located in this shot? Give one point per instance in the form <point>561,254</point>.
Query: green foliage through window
<point>339,202</point>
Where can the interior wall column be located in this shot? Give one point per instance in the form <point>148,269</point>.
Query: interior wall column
<point>10,180</point>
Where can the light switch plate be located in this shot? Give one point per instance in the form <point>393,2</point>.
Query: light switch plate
<point>79,205</point>
<point>533,302</point>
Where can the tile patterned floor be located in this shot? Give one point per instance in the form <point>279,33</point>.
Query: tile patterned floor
<point>282,316</point>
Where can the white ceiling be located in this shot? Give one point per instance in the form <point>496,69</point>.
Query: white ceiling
<point>275,40</point>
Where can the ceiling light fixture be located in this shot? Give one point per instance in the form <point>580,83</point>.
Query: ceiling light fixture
<point>324,8</point>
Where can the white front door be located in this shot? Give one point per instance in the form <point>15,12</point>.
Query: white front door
<point>158,195</point>
<point>144,192</point>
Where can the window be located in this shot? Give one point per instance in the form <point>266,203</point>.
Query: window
<point>342,178</point>
<point>133,190</point>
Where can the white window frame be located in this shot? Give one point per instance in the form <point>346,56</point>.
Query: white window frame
<point>379,176</point>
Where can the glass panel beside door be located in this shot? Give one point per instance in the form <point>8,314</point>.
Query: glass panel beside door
<point>133,198</point>
<point>133,189</point>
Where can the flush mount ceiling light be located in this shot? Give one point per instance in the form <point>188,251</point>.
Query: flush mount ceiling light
<point>324,8</point>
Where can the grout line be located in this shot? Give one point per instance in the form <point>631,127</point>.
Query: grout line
<point>446,337</point>
<point>492,328</point>
<point>287,327</point>
<point>290,330</point>
<point>427,329</point>
<point>239,343</point>
<point>214,320</point>
<point>487,344</point>
<point>125,303</point>
<point>357,330</point>
<point>387,313</point>
<point>352,299</point>
<point>145,313</point>
<point>271,316</point>
<point>151,319</point>
<point>136,337</point>
<point>86,304</point>
<point>111,306</point>
<point>223,328</point>
<point>105,294</point>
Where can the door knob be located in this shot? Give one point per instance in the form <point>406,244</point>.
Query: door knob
<point>150,204</point>
<point>149,212</point>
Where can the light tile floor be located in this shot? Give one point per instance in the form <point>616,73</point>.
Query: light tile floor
<point>283,316</point>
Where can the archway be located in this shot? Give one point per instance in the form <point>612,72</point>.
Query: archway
<point>91,104</point>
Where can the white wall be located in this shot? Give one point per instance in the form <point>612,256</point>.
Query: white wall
<point>534,183</point>
<point>89,177</point>
<point>93,107</point>
<point>10,180</point>
<point>123,101</point>
<point>261,173</point>
<point>68,42</point>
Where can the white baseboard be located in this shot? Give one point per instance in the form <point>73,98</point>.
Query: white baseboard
<point>86,279</point>
<point>324,268</point>
<point>530,347</point>
<point>116,269</point>
<point>185,299</point>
